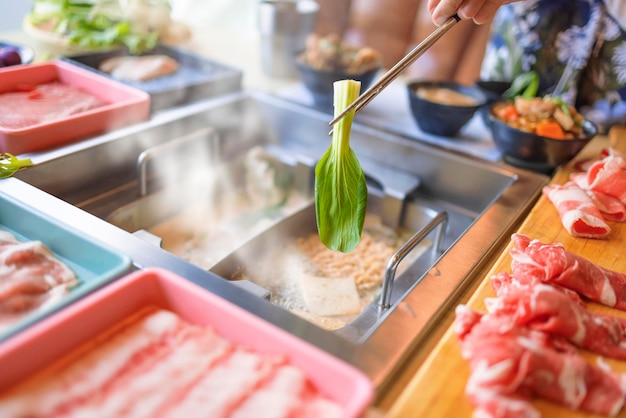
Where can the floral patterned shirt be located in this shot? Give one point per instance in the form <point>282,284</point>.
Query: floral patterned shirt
<point>575,44</point>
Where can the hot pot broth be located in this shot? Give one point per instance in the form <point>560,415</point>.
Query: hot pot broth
<point>329,288</point>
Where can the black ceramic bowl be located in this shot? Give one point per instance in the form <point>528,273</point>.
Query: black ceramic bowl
<point>539,153</point>
<point>438,118</point>
<point>320,83</point>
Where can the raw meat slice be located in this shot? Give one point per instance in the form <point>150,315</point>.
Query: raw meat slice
<point>609,176</point>
<point>510,364</point>
<point>141,68</point>
<point>269,401</point>
<point>44,103</point>
<point>320,407</point>
<point>552,309</point>
<point>135,391</point>
<point>504,279</point>
<point>584,164</point>
<point>79,380</point>
<point>611,208</point>
<point>579,216</point>
<point>31,276</point>
<point>551,263</point>
<point>37,259</point>
<point>223,388</point>
<point>156,365</point>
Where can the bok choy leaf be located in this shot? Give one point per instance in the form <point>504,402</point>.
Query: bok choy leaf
<point>340,187</point>
<point>10,164</point>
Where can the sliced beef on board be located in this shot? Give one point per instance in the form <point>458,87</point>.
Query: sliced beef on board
<point>592,196</point>
<point>611,208</point>
<point>579,215</point>
<point>558,311</point>
<point>551,263</point>
<point>510,364</point>
<point>609,176</point>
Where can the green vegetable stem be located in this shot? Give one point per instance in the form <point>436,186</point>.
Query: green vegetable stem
<point>525,85</point>
<point>10,164</point>
<point>340,187</point>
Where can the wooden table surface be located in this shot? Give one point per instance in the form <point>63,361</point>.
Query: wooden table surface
<point>437,388</point>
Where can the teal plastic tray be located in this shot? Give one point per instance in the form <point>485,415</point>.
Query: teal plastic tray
<point>94,263</point>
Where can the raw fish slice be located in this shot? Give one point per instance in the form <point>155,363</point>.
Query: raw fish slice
<point>551,263</point>
<point>579,216</point>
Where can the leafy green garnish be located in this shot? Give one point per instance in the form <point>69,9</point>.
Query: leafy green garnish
<point>525,85</point>
<point>340,186</point>
<point>10,164</point>
<point>561,103</point>
<point>87,27</point>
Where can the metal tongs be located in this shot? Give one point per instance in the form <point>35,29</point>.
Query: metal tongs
<point>397,69</point>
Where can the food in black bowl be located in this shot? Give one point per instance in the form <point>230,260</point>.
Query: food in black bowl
<point>442,108</point>
<point>493,91</point>
<point>329,59</point>
<point>539,133</point>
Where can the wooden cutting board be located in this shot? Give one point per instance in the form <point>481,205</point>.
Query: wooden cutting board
<point>437,390</point>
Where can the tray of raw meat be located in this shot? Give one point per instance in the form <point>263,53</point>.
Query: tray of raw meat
<point>46,265</point>
<point>172,76</point>
<point>49,104</point>
<point>160,345</point>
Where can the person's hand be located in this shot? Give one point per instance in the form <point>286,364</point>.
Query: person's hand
<point>481,11</point>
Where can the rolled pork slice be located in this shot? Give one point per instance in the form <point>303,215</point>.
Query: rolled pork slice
<point>551,263</point>
<point>579,215</point>
<point>511,364</point>
<point>609,176</point>
<point>557,311</point>
<point>611,208</point>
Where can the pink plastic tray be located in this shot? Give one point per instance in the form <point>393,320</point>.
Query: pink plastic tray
<point>53,337</point>
<point>126,105</point>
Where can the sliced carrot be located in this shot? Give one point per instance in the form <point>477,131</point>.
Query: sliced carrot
<point>550,129</point>
<point>507,112</point>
